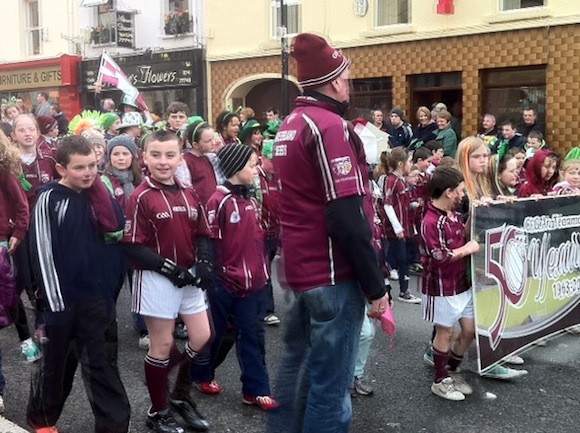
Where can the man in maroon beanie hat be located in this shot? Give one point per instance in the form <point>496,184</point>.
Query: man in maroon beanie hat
<point>328,259</point>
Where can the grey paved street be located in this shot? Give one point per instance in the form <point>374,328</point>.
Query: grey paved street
<point>547,400</point>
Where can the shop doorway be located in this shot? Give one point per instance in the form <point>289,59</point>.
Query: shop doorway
<point>428,89</point>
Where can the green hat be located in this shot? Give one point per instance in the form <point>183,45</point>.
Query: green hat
<point>249,128</point>
<point>107,120</point>
<point>193,119</point>
<point>272,128</point>
<point>573,154</point>
<point>268,149</point>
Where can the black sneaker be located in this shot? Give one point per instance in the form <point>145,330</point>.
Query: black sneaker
<point>409,298</point>
<point>163,422</point>
<point>188,411</point>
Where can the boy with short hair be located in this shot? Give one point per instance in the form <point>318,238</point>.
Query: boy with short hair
<point>447,298</point>
<point>77,273</point>
<point>242,272</point>
<point>167,239</point>
<point>535,142</point>
<point>177,114</point>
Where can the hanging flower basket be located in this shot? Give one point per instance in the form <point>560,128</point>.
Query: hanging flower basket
<point>177,23</point>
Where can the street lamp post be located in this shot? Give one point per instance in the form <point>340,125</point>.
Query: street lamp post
<point>285,108</point>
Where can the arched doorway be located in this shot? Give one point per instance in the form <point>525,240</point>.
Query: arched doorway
<point>260,93</point>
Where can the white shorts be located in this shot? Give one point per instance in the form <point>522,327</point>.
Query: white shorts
<point>154,295</point>
<point>447,310</point>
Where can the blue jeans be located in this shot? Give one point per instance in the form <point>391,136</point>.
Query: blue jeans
<point>397,257</point>
<point>367,334</point>
<point>271,246</point>
<point>316,371</point>
<point>249,330</point>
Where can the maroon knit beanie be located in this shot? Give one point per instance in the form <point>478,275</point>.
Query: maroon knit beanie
<point>318,62</point>
<point>46,124</point>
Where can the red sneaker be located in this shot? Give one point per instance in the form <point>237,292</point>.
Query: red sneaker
<point>212,387</point>
<point>264,402</point>
<point>46,430</point>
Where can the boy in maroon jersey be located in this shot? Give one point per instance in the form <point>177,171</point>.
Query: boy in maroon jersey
<point>241,271</point>
<point>167,238</point>
<point>447,298</point>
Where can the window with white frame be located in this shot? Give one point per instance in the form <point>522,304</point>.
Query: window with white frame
<point>389,12</point>
<point>178,19</point>
<point>104,31</point>
<point>508,5</point>
<point>293,18</point>
<point>33,29</point>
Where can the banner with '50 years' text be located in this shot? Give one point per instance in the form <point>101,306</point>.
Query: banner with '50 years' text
<point>526,275</point>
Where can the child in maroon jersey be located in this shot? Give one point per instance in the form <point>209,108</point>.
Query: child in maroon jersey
<point>167,238</point>
<point>38,169</point>
<point>242,272</point>
<point>446,295</point>
<point>201,136</point>
<point>397,226</point>
<point>415,217</point>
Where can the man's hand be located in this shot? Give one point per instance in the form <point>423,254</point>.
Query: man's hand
<point>379,306</point>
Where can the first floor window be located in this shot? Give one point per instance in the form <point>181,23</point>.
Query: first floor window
<point>509,5</point>
<point>293,18</point>
<point>389,12</point>
<point>506,92</point>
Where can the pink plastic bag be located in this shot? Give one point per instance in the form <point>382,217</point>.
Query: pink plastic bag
<point>389,325</point>
<point>8,290</point>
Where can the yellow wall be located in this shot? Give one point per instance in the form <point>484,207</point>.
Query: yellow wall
<point>236,30</point>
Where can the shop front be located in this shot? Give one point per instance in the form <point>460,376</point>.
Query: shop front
<point>161,78</point>
<point>56,76</point>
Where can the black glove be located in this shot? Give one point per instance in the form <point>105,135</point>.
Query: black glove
<point>178,275</point>
<point>204,274</point>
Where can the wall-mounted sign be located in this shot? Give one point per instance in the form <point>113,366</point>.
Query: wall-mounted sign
<point>30,78</point>
<point>125,30</point>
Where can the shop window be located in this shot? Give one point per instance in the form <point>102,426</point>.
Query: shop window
<point>293,18</point>
<point>508,5</point>
<point>178,18</point>
<point>389,12</point>
<point>506,92</point>
<point>371,94</point>
<point>33,30</point>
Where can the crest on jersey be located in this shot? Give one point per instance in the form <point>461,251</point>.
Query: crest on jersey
<point>127,226</point>
<point>341,166</point>
<point>438,254</point>
<point>235,217</point>
<point>211,216</point>
<point>44,177</point>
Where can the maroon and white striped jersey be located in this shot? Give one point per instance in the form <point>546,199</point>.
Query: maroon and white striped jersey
<point>318,158</point>
<point>166,220</point>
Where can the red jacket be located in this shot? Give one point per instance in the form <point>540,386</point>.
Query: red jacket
<point>534,183</point>
<point>14,211</point>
